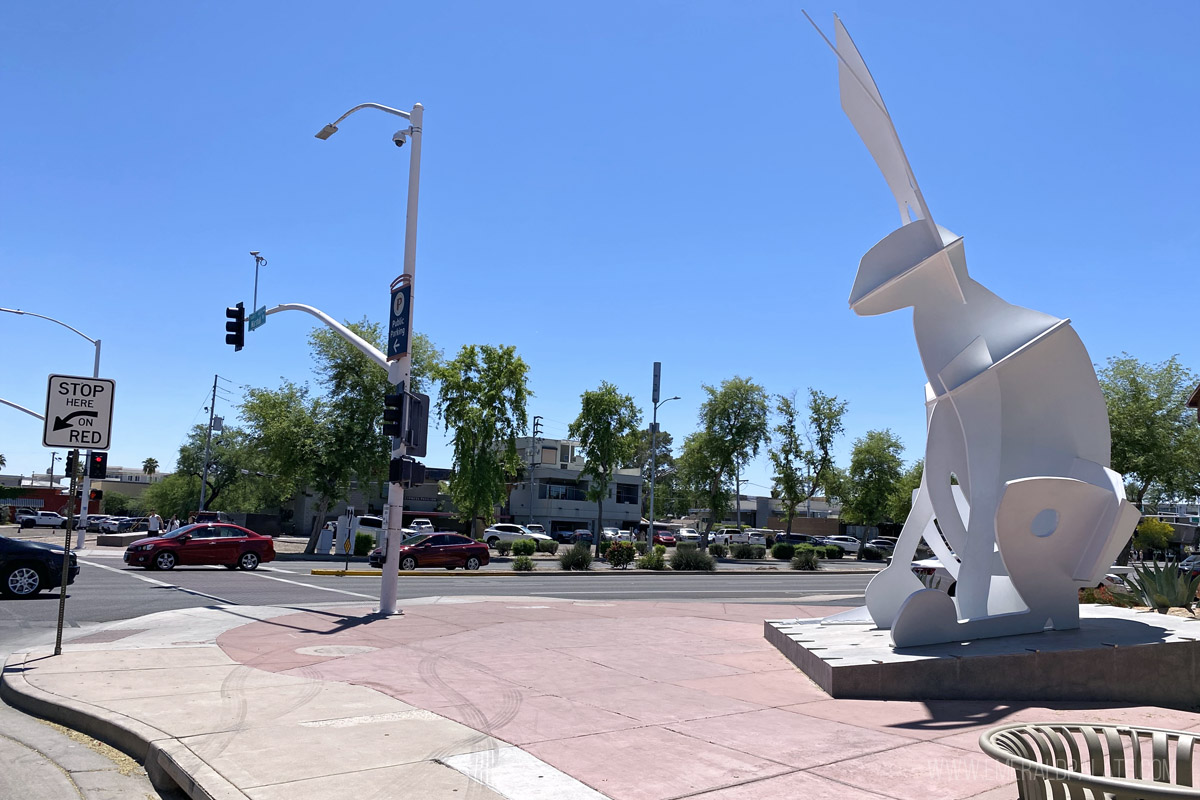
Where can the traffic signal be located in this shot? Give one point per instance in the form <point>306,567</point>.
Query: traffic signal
<point>95,495</point>
<point>393,414</point>
<point>236,326</point>
<point>72,455</point>
<point>406,471</point>
<point>98,466</point>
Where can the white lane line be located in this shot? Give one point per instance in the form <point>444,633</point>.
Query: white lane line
<point>277,569</point>
<point>312,586</point>
<point>157,582</point>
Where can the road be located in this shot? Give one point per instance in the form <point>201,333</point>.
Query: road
<point>107,591</point>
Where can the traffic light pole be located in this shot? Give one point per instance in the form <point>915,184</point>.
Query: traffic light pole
<point>81,532</point>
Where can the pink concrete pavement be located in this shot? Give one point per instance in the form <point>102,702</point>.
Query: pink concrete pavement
<point>648,701</point>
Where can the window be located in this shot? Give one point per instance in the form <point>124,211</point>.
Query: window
<point>549,454</point>
<point>627,493</point>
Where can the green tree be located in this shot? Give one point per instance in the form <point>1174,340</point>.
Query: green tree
<point>228,456</point>
<point>1155,436</point>
<point>483,397</point>
<point>1152,534</point>
<point>900,503</point>
<point>3,461</point>
<point>607,430</point>
<point>702,478</point>
<point>735,418</point>
<point>825,413</point>
<point>787,455</point>
<point>664,466</point>
<point>150,466</point>
<point>875,471</point>
<point>177,494</point>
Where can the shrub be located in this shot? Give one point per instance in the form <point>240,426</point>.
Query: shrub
<point>806,559</point>
<point>523,564</point>
<point>1162,587</point>
<point>654,561</point>
<point>604,545</point>
<point>524,547</point>
<point>833,551</point>
<point>620,554</point>
<point>547,546</point>
<point>870,554</point>
<point>661,549</point>
<point>503,548</point>
<point>364,543</point>
<point>742,551</point>
<point>718,550</point>
<point>685,546</point>
<point>758,551</point>
<point>689,558</point>
<point>640,547</point>
<point>578,557</point>
<point>1104,596</point>
<point>783,551</point>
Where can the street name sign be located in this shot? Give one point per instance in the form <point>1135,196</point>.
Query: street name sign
<point>257,319</point>
<point>78,412</point>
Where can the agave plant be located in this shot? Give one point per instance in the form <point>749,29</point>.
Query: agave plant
<point>1163,586</point>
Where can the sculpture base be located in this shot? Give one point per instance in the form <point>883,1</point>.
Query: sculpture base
<point>1116,655</point>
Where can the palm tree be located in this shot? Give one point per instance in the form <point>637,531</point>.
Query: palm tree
<point>3,463</point>
<point>150,466</point>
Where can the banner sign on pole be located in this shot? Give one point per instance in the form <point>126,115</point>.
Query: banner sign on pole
<point>400,318</point>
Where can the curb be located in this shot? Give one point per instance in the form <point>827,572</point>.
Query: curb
<point>162,755</point>
<point>375,573</point>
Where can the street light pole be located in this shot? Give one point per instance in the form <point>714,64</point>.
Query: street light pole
<point>654,467</point>
<point>400,370</point>
<point>259,261</point>
<point>85,492</point>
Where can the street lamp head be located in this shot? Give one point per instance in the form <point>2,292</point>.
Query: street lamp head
<point>326,132</point>
<point>255,253</point>
<point>676,397</point>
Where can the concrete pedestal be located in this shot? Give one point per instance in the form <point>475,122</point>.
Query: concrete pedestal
<point>1115,655</point>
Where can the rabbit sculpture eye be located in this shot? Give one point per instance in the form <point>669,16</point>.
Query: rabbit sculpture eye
<point>1013,411</point>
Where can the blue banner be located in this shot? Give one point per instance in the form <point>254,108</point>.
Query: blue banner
<point>399,323</point>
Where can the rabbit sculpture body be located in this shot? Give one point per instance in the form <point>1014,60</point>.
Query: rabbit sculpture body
<point>1017,498</point>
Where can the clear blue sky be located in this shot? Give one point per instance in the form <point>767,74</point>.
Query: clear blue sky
<point>604,185</point>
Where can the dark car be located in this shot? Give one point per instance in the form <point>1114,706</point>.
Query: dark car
<point>228,545</point>
<point>449,550</point>
<point>797,538</point>
<point>27,568</point>
<point>883,545</point>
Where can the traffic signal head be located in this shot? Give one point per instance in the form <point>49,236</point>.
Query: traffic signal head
<point>98,466</point>
<point>95,495</point>
<point>236,326</point>
<point>393,414</point>
<point>71,460</point>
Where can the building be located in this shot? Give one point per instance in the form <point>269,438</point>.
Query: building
<point>554,492</point>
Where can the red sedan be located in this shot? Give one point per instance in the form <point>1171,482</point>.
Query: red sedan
<point>449,550</point>
<point>664,539</point>
<point>231,546</point>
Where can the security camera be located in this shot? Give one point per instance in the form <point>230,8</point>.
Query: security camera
<point>400,137</point>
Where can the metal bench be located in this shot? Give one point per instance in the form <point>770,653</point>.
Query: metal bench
<point>1081,760</point>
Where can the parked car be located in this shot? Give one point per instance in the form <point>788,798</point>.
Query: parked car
<point>1190,564</point>
<point>510,532</point>
<point>664,538</point>
<point>882,545</point>
<point>536,528</point>
<point>582,535</point>
<point>40,519</point>
<point>690,535</point>
<point>624,536</point>
<point>421,525</point>
<point>224,543</point>
<point>27,568</point>
<point>134,524</point>
<point>797,538</point>
<point>112,524</point>
<point>728,536</point>
<point>847,543</point>
<point>449,550</point>
<point>611,534</point>
<point>93,522</point>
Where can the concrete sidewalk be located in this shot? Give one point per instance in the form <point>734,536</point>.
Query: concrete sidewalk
<point>522,698</point>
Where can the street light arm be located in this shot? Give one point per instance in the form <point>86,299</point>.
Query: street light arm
<point>51,319</point>
<point>350,336</point>
<point>361,106</point>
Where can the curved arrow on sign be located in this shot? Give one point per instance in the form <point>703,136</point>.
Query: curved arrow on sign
<point>65,422</point>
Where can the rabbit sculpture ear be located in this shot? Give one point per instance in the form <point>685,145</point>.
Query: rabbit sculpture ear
<point>863,104</point>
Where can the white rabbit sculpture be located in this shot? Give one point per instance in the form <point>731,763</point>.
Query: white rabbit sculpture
<point>1013,412</point>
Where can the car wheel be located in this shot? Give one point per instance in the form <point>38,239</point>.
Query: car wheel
<point>63,525</point>
<point>455,567</point>
<point>248,561</point>
<point>408,564</point>
<point>472,563</point>
<point>164,560</point>
<point>492,542</point>
<point>21,580</point>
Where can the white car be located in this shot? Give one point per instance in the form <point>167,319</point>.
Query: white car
<point>687,535</point>
<point>112,524</point>
<point>612,534</point>
<point>510,532</point>
<point>421,526</point>
<point>847,543</point>
<point>41,519</point>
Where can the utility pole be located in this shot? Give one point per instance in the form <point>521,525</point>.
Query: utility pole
<point>212,408</point>
<point>533,452</point>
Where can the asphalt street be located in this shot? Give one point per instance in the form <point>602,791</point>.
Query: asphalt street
<point>107,590</point>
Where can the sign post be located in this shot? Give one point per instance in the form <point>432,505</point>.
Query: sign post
<point>78,412</point>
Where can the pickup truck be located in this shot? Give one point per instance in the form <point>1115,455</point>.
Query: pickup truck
<point>47,519</point>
